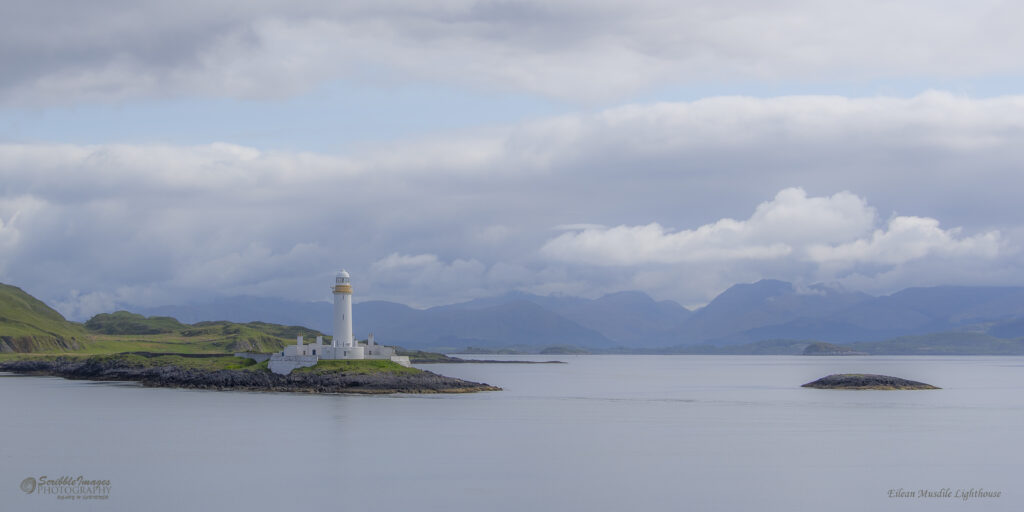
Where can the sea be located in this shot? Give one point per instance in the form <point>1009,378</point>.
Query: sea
<point>598,433</point>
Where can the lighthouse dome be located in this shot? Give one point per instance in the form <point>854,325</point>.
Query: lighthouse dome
<point>342,279</point>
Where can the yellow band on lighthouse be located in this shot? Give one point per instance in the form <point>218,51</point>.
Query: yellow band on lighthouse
<point>342,288</point>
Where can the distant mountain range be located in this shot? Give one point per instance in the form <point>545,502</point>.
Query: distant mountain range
<point>743,314</point>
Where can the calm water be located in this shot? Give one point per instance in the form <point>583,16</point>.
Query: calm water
<point>633,433</point>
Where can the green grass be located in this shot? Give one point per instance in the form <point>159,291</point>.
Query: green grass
<point>205,363</point>
<point>180,361</point>
<point>358,367</point>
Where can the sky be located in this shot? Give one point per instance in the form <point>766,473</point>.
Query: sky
<point>157,152</point>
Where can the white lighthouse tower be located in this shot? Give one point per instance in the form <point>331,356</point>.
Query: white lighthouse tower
<point>343,311</point>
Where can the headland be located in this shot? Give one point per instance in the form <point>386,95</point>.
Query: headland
<point>226,372</point>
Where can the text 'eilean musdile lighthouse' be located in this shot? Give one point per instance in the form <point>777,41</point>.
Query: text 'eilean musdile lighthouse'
<point>342,311</point>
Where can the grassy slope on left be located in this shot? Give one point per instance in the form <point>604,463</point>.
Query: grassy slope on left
<point>27,325</point>
<point>29,329</point>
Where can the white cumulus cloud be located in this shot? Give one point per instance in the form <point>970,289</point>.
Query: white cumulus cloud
<point>825,230</point>
<point>906,239</point>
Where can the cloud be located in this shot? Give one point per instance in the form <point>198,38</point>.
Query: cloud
<point>826,230</point>
<point>907,239</point>
<point>772,231</point>
<point>630,245</point>
<point>573,50</point>
<point>676,196</point>
<point>411,276</point>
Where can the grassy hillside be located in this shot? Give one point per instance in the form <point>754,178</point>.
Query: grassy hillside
<point>203,337</point>
<point>28,325</point>
<point>123,322</point>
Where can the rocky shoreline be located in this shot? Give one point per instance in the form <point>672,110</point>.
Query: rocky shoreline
<point>244,380</point>
<point>866,381</point>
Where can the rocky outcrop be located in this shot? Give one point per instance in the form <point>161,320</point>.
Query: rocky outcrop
<point>865,381</point>
<point>243,380</point>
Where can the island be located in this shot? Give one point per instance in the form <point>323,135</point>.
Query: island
<point>227,372</point>
<point>866,381</point>
<point>163,352</point>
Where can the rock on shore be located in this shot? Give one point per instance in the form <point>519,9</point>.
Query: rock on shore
<point>245,380</point>
<point>865,381</point>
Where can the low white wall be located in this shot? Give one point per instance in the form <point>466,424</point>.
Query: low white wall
<point>283,365</point>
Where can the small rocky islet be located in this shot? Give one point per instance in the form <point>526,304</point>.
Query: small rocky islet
<point>866,381</point>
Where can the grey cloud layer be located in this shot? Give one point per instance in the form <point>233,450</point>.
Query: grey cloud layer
<point>55,52</point>
<point>895,192</point>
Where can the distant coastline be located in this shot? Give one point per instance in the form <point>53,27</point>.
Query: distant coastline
<point>423,357</point>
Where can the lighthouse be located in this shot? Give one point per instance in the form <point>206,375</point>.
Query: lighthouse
<point>343,311</point>
<point>344,345</point>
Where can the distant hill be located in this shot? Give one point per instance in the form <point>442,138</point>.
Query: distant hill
<point>484,324</point>
<point>123,322</point>
<point>26,324</point>
<point>210,336</point>
<point>767,317</point>
<point>623,318</point>
<point>758,311</point>
<point>629,321</point>
<point>520,319</point>
<point>916,311</point>
<point>1013,328</point>
<point>315,315</point>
